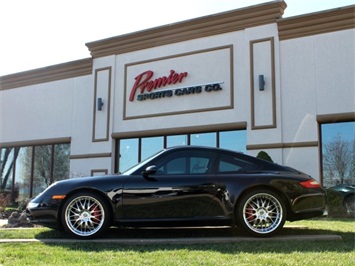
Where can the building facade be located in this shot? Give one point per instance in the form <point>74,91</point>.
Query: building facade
<point>246,80</point>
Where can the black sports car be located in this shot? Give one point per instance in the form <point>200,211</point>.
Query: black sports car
<point>341,198</point>
<point>182,186</point>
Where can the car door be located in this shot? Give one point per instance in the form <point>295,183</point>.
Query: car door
<point>183,187</point>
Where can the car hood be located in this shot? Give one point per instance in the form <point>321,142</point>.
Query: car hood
<point>104,183</point>
<point>343,188</point>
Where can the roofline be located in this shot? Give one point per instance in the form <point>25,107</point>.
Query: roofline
<point>331,20</point>
<point>46,74</point>
<point>224,22</point>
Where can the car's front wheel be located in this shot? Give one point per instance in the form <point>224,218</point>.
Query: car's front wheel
<point>85,215</point>
<point>261,213</point>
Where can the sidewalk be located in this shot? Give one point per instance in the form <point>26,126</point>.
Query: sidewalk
<point>3,222</point>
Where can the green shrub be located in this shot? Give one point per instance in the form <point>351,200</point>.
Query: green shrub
<point>263,155</point>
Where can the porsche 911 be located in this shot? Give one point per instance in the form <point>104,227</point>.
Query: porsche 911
<point>182,186</point>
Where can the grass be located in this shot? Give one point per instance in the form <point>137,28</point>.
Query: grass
<point>286,252</point>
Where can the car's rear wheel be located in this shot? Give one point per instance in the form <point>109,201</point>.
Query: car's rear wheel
<point>85,215</point>
<point>261,213</point>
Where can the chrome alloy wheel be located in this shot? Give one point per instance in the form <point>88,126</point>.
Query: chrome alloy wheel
<point>84,216</point>
<point>263,213</point>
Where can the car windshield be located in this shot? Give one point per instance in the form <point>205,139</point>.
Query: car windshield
<point>139,165</point>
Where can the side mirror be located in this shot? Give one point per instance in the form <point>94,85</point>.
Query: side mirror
<point>150,170</point>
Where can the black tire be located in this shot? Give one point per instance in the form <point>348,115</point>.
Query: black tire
<point>85,215</point>
<point>260,213</point>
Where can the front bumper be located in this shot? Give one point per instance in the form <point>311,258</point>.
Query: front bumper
<point>44,211</point>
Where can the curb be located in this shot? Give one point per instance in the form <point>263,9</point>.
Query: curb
<point>202,240</point>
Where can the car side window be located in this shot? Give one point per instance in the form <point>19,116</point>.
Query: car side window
<point>175,166</point>
<point>199,165</point>
<point>184,163</point>
<point>230,164</point>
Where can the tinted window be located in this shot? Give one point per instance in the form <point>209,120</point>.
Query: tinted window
<point>175,166</point>
<point>199,165</point>
<point>193,162</point>
<point>230,164</point>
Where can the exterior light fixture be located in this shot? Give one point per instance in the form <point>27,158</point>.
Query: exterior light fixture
<point>100,103</point>
<point>261,83</point>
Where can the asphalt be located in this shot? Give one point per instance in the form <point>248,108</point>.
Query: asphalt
<point>193,240</point>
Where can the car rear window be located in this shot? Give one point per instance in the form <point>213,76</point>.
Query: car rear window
<point>229,164</point>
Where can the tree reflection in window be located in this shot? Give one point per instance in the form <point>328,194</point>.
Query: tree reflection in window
<point>27,171</point>
<point>338,153</point>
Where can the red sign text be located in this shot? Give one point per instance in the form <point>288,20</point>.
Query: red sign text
<point>144,82</point>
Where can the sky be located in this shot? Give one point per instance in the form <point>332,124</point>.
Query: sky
<point>345,130</point>
<point>40,33</point>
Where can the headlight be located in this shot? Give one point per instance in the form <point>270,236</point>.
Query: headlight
<point>31,205</point>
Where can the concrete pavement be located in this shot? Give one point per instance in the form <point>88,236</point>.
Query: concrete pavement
<point>3,222</point>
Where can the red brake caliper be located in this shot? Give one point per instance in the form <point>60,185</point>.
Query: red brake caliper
<point>249,213</point>
<point>95,211</point>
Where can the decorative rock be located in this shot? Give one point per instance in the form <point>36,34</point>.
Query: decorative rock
<point>18,220</point>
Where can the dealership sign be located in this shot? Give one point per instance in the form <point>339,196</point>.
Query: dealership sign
<point>191,82</point>
<point>147,86</point>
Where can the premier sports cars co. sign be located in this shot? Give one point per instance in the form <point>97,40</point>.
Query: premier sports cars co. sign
<point>192,82</point>
<point>147,86</point>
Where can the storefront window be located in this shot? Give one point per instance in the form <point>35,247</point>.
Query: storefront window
<point>204,139</point>
<point>177,140</point>
<point>23,173</point>
<point>7,166</point>
<point>338,153</point>
<point>132,151</point>
<point>233,140</point>
<point>27,171</point>
<point>42,168</point>
<point>151,146</point>
<point>61,162</point>
<point>129,153</point>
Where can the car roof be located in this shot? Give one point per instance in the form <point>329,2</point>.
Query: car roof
<point>196,147</point>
